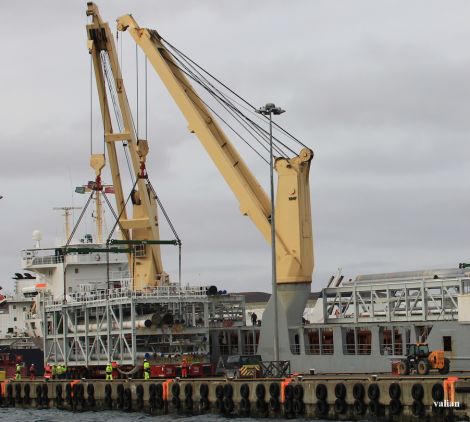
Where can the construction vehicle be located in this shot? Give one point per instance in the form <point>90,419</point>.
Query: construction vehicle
<point>420,360</point>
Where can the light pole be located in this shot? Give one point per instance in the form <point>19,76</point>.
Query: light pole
<point>268,110</point>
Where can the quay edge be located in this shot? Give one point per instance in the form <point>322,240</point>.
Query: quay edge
<point>338,397</point>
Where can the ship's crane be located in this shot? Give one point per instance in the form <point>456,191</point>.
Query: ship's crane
<point>142,227</point>
<point>294,252</point>
<point>293,216</point>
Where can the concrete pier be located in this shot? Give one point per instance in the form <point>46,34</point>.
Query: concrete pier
<point>339,397</point>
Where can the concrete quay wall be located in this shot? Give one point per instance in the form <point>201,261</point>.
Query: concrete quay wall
<point>435,398</point>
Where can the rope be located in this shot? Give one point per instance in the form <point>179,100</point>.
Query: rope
<point>174,49</point>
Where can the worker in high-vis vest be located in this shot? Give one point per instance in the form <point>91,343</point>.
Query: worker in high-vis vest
<point>18,371</point>
<point>146,369</point>
<point>48,371</point>
<point>54,372</point>
<point>109,372</point>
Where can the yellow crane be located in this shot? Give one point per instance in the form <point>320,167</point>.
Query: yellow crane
<point>293,216</point>
<point>294,251</point>
<point>142,227</point>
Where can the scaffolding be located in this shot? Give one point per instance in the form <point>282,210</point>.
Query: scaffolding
<point>121,325</point>
<point>394,301</point>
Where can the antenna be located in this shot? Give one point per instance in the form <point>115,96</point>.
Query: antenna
<point>66,215</point>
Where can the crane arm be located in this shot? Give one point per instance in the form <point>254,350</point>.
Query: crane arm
<point>294,251</point>
<point>146,267</point>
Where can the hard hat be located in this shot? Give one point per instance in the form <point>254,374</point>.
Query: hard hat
<point>145,360</point>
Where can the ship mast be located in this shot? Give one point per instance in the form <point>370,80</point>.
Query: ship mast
<point>66,215</point>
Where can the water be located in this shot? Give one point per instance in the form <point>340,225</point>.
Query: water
<point>54,415</point>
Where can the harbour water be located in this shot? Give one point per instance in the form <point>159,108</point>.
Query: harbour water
<point>54,415</point>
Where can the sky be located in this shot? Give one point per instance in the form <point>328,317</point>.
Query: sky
<point>378,90</point>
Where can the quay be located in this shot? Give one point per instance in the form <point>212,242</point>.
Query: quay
<point>338,397</point>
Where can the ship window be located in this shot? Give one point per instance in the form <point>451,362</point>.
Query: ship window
<point>447,340</point>
<point>76,270</point>
<point>24,308</point>
<point>10,329</point>
<point>14,319</point>
<point>14,306</point>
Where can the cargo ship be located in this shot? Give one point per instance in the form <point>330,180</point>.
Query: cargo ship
<point>131,311</point>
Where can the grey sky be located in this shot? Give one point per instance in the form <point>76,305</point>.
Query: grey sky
<point>379,90</point>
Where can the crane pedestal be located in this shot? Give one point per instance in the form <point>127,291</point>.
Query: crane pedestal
<point>292,299</point>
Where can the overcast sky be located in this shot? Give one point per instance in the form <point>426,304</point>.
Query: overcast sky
<point>378,89</point>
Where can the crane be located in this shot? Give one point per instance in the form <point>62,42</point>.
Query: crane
<point>142,228</point>
<point>294,252</point>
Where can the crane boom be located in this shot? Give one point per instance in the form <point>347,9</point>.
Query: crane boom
<point>146,267</point>
<point>294,252</point>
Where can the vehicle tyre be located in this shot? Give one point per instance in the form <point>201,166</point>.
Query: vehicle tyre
<point>107,389</point>
<point>219,391</point>
<point>395,407</point>
<point>437,392</point>
<point>358,391</point>
<point>175,389</point>
<point>18,393</point>
<point>159,403</point>
<point>245,391</point>
<point>245,405</point>
<point>423,367</point>
<point>445,369</point>
<point>438,411</point>
<point>159,390</point>
<point>417,408</point>
<point>322,408</point>
<point>260,391</point>
<point>288,407</point>
<point>403,367</point>
<point>188,390</point>
<point>340,391</point>
<point>299,407</point>
<point>228,391</point>
<point>340,406</point>
<point>373,392</point>
<point>127,400</point>
<point>321,392</point>
<point>188,403</point>
<point>289,392</point>
<point>204,404</point>
<point>38,394</point>
<point>176,402</point>
<point>261,406</point>
<point>359,407</point>
<point>274,404</point>
<point>228,404</point>
<point>374,407</point>
<point>274,389</point>
<point>394,391</point>
<point>152,390</point>
<point>219,404</point>
<point>298,392</point>
<point>417,392</point>
<point>45,393</point>
<point>26,394</point>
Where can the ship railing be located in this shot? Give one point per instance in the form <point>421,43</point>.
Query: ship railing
<point>295,349</point>
<point>319,349</point>
<point>249,349</point>
<point>160,292</point>
<point>389,349</point>
<point>357,349</point>
<point>228,350</point>
<point>29,260</point>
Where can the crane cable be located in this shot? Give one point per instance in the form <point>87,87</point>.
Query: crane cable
<point>253,108</point>
<point>228,106</point>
